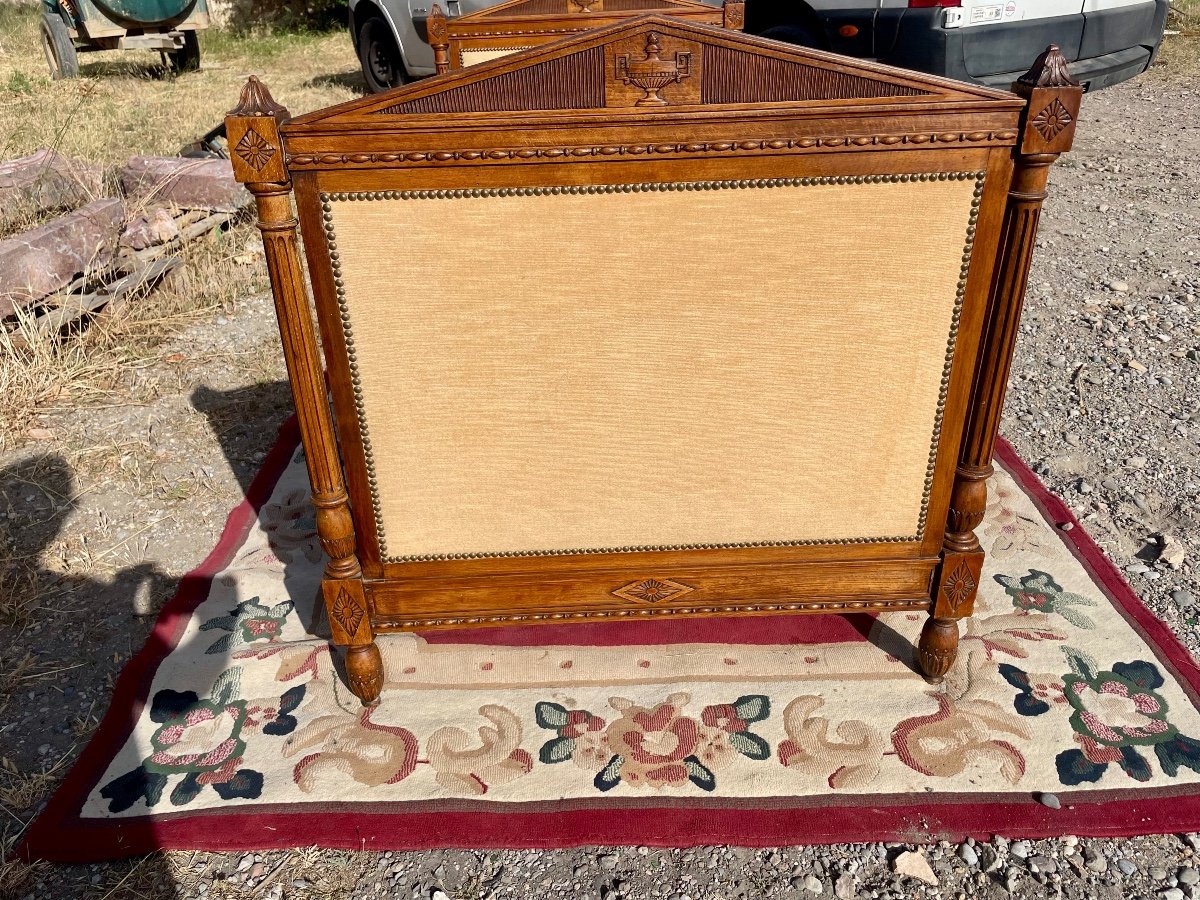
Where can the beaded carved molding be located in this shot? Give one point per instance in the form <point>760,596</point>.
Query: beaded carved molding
<point>370,453</point>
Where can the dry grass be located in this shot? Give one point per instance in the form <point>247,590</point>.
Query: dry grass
<point>125,103</point>
<point>1181,52</point>
<point>122,105</point>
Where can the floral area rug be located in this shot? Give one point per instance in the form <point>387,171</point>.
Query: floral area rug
<point>232,729</point>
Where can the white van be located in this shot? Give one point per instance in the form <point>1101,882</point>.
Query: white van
<point>986,41</point>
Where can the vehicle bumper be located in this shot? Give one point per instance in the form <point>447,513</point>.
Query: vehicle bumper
<point>1103,47</point>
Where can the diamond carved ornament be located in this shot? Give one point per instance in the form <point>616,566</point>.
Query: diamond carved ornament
<point>652,590</point>
<point>1050,122</point>
<point>254,149</point>
<point>959,585</point>
<point>346,612</point>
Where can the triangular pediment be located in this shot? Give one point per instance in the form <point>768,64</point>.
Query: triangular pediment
<point>519,8</point>
<point>649,65</point>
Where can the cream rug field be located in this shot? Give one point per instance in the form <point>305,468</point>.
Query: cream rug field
<point>232,730</point>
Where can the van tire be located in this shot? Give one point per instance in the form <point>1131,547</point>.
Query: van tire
<point>382,64</point>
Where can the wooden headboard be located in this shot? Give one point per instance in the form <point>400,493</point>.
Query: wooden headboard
<point>516,25</point>
<point>657,320</point>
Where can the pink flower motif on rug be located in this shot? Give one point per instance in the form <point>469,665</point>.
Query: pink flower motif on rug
<point>656,747</point>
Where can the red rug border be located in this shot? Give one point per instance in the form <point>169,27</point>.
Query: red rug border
<point>58,834</point>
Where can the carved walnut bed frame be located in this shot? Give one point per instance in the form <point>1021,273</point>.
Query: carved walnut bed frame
<point>521,24</point>
<point>608,340</point>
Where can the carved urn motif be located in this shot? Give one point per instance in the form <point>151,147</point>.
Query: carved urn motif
<point>652,73</point>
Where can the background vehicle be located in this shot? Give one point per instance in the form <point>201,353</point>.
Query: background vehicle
<point>985,41</point>
<point>70,27</point>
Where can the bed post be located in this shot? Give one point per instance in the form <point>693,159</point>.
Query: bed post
<point>1047,130</point>
<point>252,129</point>
<point>437,31</point>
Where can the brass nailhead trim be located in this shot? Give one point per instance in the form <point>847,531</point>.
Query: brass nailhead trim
<point>646,187</point>
<point>832,605</point>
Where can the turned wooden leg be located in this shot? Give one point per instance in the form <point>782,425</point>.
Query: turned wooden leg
<point>937,648</point>
<point>364,672</point>
<point>350,627</point>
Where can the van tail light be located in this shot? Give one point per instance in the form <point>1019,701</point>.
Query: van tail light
<point>925,4</point>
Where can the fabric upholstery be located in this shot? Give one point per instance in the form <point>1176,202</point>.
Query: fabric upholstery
<point>549,373</point>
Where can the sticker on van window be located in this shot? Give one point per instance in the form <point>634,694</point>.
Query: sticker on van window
<point>1010,9</point>
<point>986,14</point>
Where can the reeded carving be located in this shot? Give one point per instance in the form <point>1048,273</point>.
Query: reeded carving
<point>652,73</point>
<point>565,82</point>
<point>1049,70</point>
<point>937,648</point>
<point>653,590</point>
<point>364,673</point>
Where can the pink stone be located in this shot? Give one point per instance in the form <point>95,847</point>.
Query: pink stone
<point>185,183</point>
<point>45,259</point>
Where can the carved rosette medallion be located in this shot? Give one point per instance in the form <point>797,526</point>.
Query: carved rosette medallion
<point>652,590</point>
<point>1052,120</point>
<point>652,73</point>
<point>254,149</point>
<point>346,612</point>
<point>959,586</point>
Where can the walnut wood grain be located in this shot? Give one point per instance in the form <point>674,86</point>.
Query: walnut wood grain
<point>566,113</point>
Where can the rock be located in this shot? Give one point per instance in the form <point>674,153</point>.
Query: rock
<point>843,888</point>
<point>258,870</point>
<point>1020,849</point>
<point>968,855</point>
<point>608,861</point>
<point>156,227</point>
<point>1170,551</point>
<point>1172,894</point>
<point>1184,600</point>
<point>1095,862</point>
<point>45,259</point>
<point>44,180</point>
<point>812,884</point>
<point>1126,867</point>
<point>1136,366</point>
<point>1041,863</point>
<point>1049,800</point>
<point>913,864</point>
<point>186,183</point>
<point>1188,876</point>
<point>1120,287</point>
<point>1157,873</point>
<point>1192,839</point>
<point>989,858</point>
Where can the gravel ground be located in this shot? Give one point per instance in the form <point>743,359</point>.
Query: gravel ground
<point>1105,403</point>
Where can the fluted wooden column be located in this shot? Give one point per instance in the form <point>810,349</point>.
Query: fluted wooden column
<point>256,147</point>
<point>437,32</point>
<point>1048,129</point>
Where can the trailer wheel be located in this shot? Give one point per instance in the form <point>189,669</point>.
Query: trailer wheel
<point>60,50</point>
<point>187,57</point>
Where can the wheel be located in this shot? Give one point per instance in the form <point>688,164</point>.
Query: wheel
<point>801,35</point>
<point>382,65</point>
<point>60,49</point>
<point>187,57</point>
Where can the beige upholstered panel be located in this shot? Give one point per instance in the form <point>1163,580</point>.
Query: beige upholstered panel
<point>482,55</point>
<point>574,371</point>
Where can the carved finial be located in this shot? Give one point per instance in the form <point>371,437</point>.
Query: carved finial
<point>1049,70</point>
<point>435,25</point>
<point>256,100</point>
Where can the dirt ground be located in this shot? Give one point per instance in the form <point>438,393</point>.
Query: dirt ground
<point>108,496</point>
